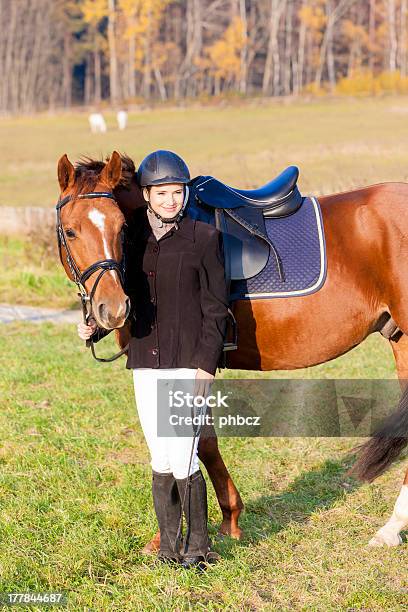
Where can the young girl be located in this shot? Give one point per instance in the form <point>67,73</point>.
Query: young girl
<point>176,283</point>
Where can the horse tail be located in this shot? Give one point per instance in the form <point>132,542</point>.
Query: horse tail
<point>387,443</point>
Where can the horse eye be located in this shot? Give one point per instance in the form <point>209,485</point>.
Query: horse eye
<point>70,233</point>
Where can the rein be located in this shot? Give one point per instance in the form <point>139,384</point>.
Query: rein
<point>81,277</point>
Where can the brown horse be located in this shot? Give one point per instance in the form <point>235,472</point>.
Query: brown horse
<point>367,279</point>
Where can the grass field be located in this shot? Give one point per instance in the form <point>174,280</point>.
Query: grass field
<point>32,275</point>
<point>338,144</point>
<point>76,505</point>
<point>75,500</point>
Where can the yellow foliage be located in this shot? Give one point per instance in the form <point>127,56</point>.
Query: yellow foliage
<point>353,31</point>
<point>147,13</point>
<point>129,7</point>
<point>315,90</point>
<point>139,14</point>
<point>393,82</point>
<point>202,62</point>
<point>312,16</point>
<point>142,16</point>
<point>224,55</point>
<point>94,10</point>
<point>363,82</point>
<point>161,53</point>
<point>143,7</point>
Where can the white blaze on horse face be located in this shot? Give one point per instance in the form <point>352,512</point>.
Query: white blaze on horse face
<point>98,219</point>
<point>389,535</point>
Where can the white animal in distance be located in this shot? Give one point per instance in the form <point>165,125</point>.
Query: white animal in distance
<point>122,118</point>
<point>97,123</point>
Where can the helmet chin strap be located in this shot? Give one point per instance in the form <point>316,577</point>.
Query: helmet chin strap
<point>176,217</point>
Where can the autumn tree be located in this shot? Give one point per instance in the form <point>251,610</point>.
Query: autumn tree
<point>60,52</point>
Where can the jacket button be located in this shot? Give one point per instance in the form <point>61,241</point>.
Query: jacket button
<point>152,299</point>
<point>155,352</point>
<point>153,326</point>
<point>151,272</point>
<point>155,249</point>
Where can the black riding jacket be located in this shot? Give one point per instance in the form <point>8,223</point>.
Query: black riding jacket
<point>178,295</point>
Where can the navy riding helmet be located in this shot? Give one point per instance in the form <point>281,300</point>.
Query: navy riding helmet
<point>159,168</point>
<point>162,167</point>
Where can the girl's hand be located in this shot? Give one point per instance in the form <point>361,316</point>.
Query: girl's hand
<point>203,381</point>
<point>86,331</point>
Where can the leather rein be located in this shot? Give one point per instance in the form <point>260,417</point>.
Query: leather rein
<point>81,277</point>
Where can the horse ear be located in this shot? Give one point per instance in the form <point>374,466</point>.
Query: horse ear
<point>113,170</point>
<point>66,173</point>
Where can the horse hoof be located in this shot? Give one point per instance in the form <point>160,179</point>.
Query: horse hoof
<point>235,534</point>
<point>152,547</point>
<point>386,539</point>
<point>148,550</point>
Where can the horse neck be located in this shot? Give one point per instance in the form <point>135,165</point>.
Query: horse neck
<point>129,200</point>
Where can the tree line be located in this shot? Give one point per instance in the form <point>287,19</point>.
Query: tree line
<point>56,53</point>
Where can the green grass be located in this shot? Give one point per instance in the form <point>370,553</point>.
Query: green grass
<point>76,505</point>
<point>338,144</point>
<point>32,274</point>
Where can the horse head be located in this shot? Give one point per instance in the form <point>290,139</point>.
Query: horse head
<point>90,229</point>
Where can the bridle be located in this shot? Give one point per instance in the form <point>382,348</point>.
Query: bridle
<point>81,277</point>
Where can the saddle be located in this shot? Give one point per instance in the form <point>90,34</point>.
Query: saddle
<point>240,216</point>
<point>278,198</point>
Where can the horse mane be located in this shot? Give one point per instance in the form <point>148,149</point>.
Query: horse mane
<point>88,171</point>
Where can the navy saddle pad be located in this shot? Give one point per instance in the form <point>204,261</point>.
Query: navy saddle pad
<point>300,243</point>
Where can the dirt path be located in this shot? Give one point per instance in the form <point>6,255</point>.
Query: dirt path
<point>32,314</point>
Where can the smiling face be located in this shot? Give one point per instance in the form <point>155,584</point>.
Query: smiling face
<point>166,200</point>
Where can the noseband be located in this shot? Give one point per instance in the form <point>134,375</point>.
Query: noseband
<point>81,277</point>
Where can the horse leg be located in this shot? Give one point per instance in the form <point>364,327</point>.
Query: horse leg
<point>227,494</point>
<point>152,547</point>
<point>389,535</point>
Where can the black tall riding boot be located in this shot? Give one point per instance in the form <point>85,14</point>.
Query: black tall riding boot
<point>167,505</point>
<point>196,550</point>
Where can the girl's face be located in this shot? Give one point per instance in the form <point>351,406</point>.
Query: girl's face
<point>166,200</point>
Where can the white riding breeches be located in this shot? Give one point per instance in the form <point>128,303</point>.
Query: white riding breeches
<point>168,454</point>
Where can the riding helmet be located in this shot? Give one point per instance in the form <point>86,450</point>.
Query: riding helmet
<point>162,167</point>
